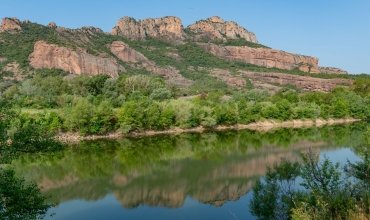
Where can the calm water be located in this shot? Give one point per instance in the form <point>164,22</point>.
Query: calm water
<point>187,176</point>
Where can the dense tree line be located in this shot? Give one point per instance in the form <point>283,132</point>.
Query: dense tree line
<point>99,104</point>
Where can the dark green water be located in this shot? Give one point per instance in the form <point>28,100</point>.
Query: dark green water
<point>187,176</point>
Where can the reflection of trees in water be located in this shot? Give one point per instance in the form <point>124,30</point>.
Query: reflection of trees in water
<point>214,167</point>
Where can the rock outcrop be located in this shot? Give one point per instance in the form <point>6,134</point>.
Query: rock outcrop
<point>2,59</point>
<point>125,53</point>
<point>10,24</point>
<point>331,70</point>
<point>168,28</point>
<point>263,57</point>
<point>228,78</point>
<point>52,25</point>
<point>75,62</point>
<point>303,82</point>
<point>214,28</point>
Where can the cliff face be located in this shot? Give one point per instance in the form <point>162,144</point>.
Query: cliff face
<point>169,28</point>
<point>303,82</point>
<point>125,53</point>
<point>9,24</point>
<point>331,70</point>
<point>75,62</point>
<point>215,28</point>
<point>263,57</point>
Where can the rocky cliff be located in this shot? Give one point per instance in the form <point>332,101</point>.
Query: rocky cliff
<point>168,28</point>
<point>125,53</point>
<point>214,28</point>
<point>75,62</point>
<point>263,57</point>
<point>303,82</point>
<point>331,70</point>
<point>10,24</point>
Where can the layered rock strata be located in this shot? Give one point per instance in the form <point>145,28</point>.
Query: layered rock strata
<point>263,57</point>
<point>214,28</point>
<point>303,82</point>
<point>228,78</point>
<point>169,28</point>
<point>9,24</point>
<point>331,70</point>
<point>75,62</point>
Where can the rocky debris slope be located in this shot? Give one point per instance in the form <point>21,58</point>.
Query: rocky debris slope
<point>263,57</point>
<point>127,54</point>
<point>10,24</point>
<point>331,70</point>
<point>168,28</point>
<point>214,28</point>
<point>75,62</point>
<point>303,82</point>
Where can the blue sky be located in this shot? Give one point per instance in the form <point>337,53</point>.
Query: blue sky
<point>335,31</point>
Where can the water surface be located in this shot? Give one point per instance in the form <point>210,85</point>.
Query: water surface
<point>186,176</point>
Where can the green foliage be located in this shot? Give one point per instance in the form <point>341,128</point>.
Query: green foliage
<point>19,135</point>
<point>327,194</point>
<point>361,86</point>
<point>19,200</point>
<point>160,94</point>
<point>238,42</point>
<point>272,198</point>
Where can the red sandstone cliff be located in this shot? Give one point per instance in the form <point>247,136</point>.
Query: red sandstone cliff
<point>75,62</point>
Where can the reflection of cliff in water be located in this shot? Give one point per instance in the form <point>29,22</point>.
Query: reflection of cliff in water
<point>213,167</point>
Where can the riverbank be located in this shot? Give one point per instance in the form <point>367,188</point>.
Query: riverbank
<point>258,126</point>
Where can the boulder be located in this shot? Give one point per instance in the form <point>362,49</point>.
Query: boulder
<point>52,25</point>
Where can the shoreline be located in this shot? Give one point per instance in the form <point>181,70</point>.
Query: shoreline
<point>256,126</point>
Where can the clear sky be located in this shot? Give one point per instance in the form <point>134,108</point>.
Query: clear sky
<point>335,31</point>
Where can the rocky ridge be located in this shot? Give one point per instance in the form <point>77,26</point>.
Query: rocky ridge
<point>73,61</point>
<point>263,57</point>
<point>214,28</point>
<point>169,28</point>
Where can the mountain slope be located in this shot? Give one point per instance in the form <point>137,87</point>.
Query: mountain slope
<point>159,46</point>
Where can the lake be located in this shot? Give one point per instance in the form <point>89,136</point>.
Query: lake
<point>186,176</point>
